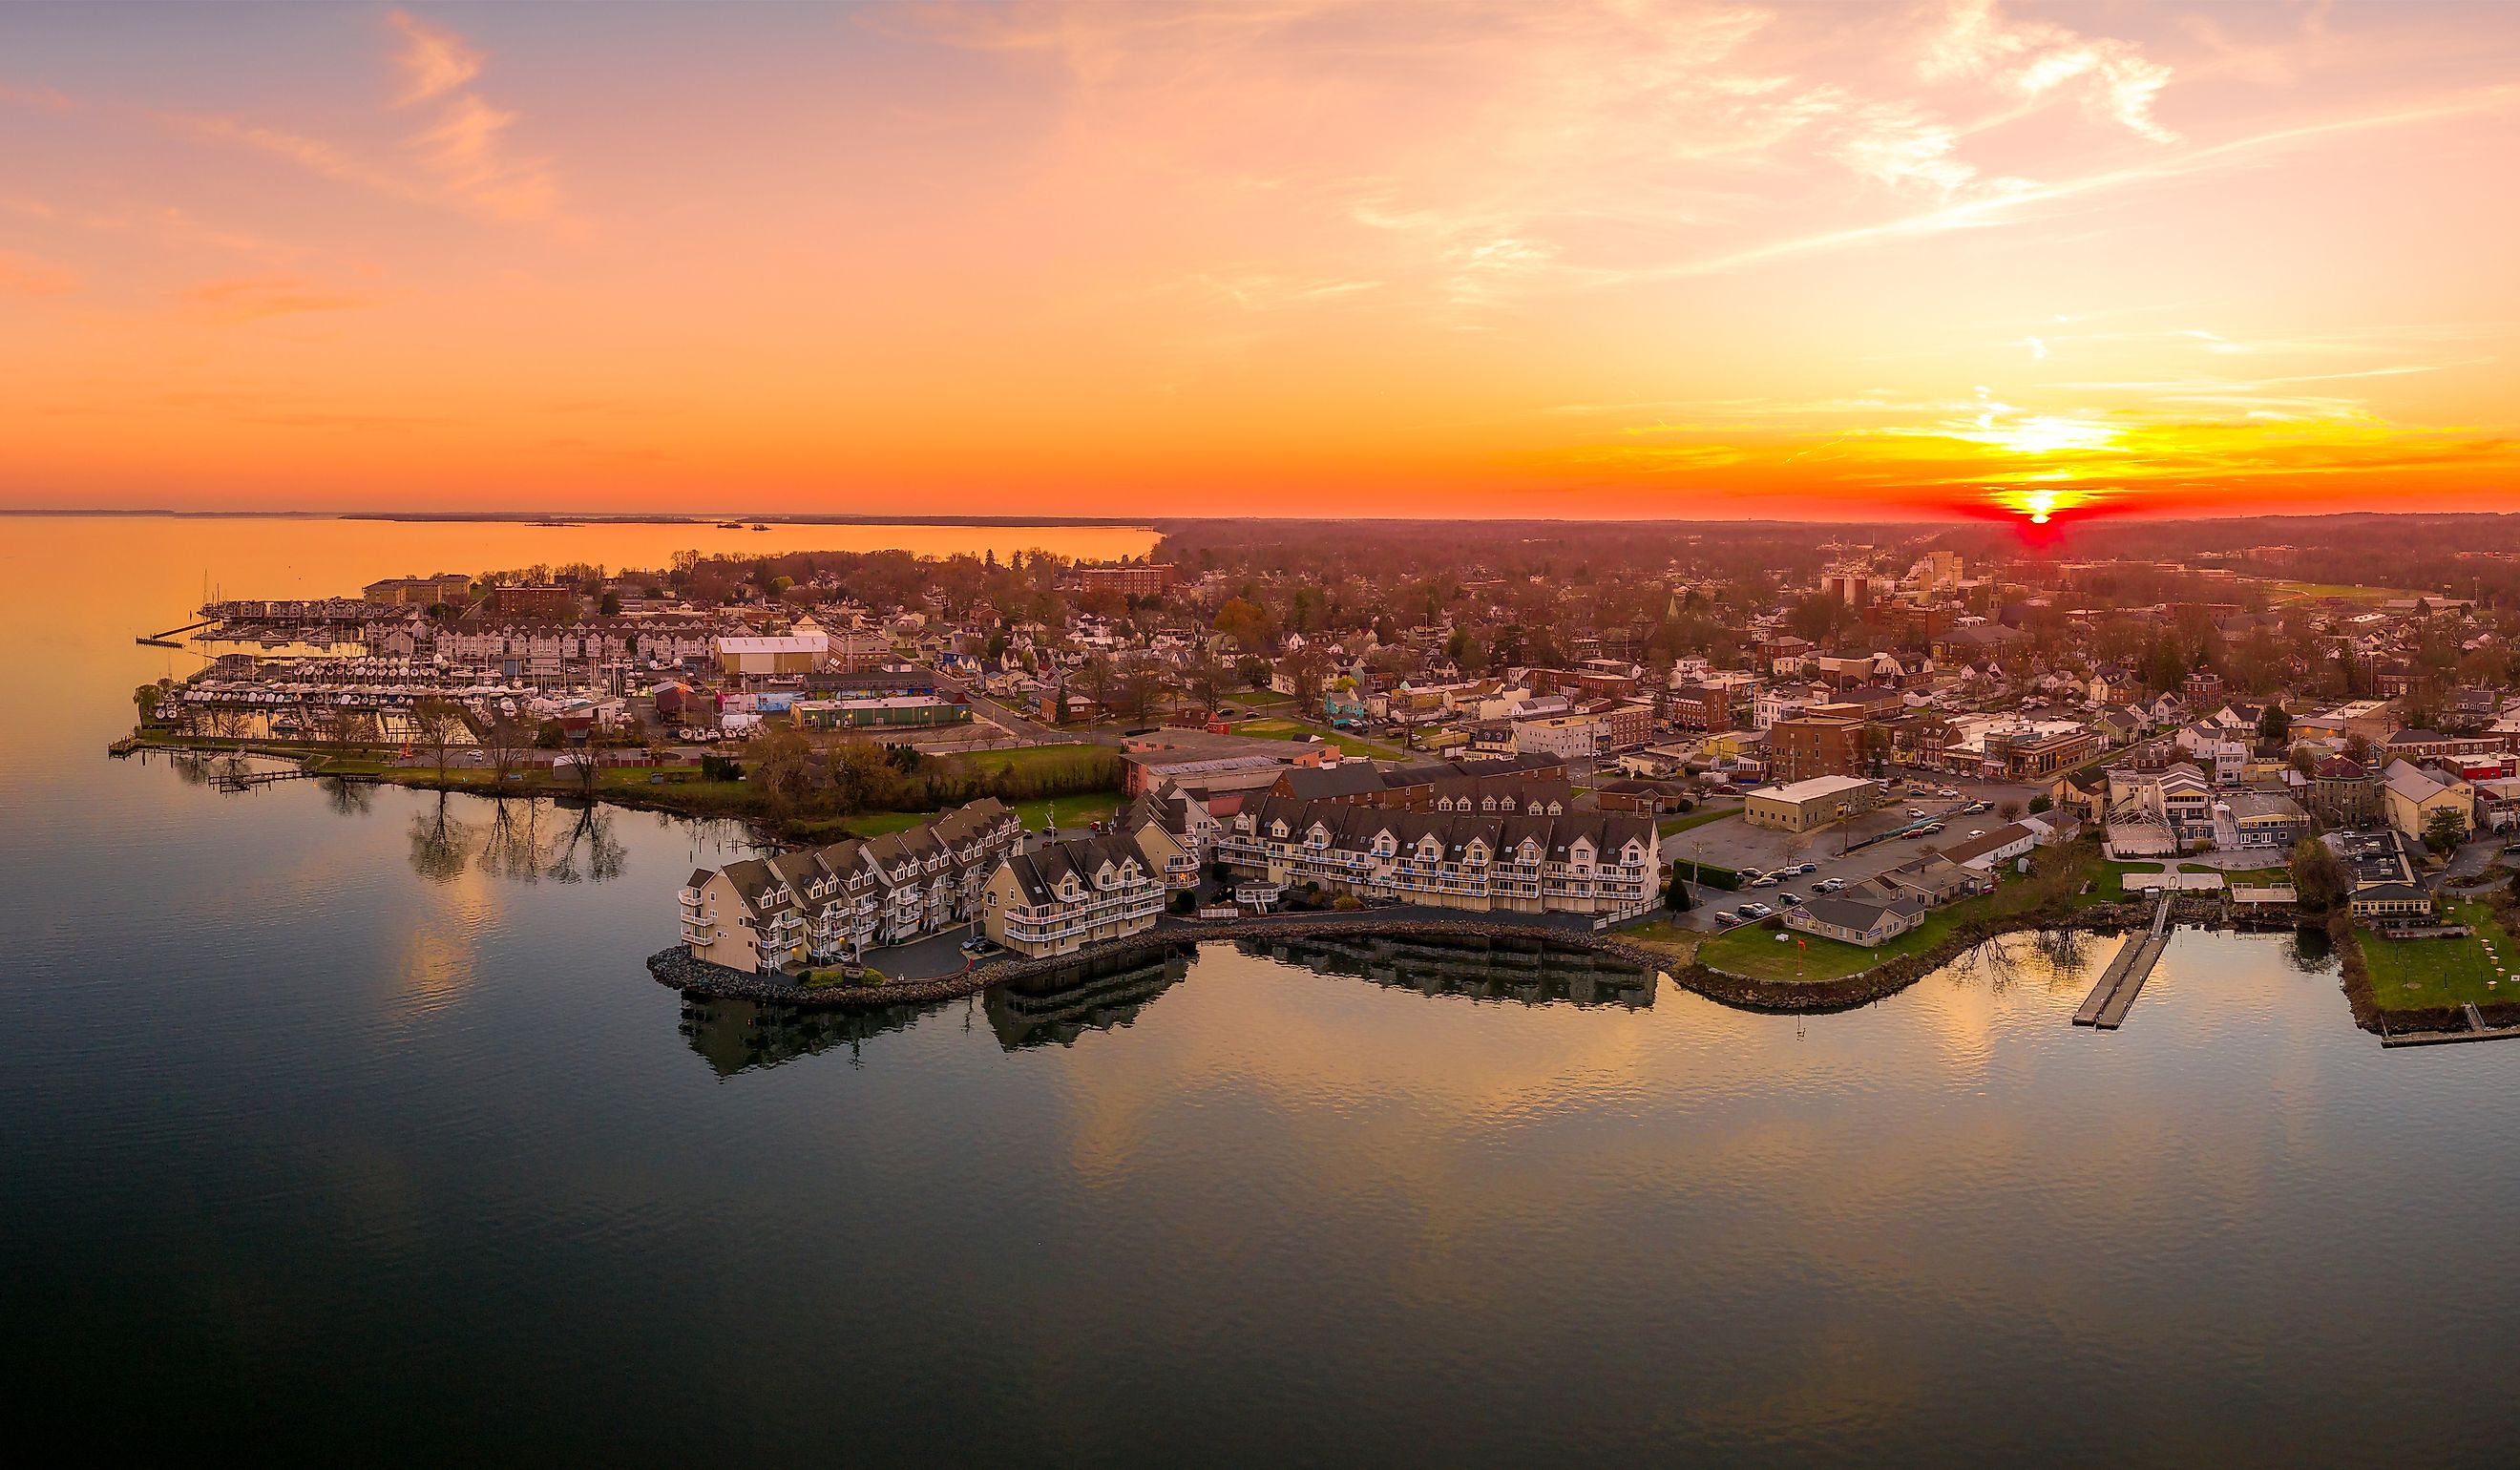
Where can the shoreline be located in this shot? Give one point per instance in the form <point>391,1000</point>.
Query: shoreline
<point>676,969</point>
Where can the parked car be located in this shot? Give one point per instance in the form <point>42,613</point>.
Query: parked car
<point>1756,911</point>
<point>1748,874</point>
<point>1828,885</point>
<point>1808,867</point>
<point>1726,916</point>
<point>1915,811</point>
<point>1791,902</point>
<point>1767,881</point>
<point>1977,831</point>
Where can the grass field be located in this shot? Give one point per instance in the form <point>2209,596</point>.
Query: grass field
<point>2318,589</point>
<point>2411,973</point>
<point>1666,825</point>
<point>1288,729</point>
<point>1752,952</point>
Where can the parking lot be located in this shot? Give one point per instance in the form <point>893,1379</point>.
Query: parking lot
<point>1734,844</point>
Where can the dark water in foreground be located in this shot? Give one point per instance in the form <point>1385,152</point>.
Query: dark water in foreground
<point>339,1130</point>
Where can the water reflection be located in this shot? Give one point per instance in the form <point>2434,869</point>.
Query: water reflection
<point>744,1036</point>
<point>1532,971</point>
<point>1055,1009</point>
<point>522,839</point>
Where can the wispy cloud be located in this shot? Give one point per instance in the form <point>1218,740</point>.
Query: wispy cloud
<point>23,274</point>
<point>432,61</point>
<point>461,157</point>
<point>253,298</point>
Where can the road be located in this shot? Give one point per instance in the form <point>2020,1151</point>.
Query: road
<point>1021,728</point>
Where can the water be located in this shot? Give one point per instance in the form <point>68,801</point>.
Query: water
<point>348,1126</point>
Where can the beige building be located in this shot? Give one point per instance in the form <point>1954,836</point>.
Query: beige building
<point>2409,797</point>
<point>1579,863</point>
<point>1063,896</point>
<point>827,904</point>
<point>1808,805</point>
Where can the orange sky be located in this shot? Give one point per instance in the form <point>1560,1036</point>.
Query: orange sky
<point>1692,260</point>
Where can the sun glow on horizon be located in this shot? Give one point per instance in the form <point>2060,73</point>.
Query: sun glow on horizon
<point>1936,259</point>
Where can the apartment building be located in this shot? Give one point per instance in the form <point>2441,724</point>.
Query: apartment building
<point>1063,896</point>
<point>1582,862</point>
<point>832,903</point>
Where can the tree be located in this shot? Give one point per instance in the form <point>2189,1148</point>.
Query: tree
<point>782,766</point>
<point>1140,685</point>
<point>1308,669</point>
<point>610,605</point>
<point>435,724</point>
<point>1246,622</point>
<point>2320,881</point>
<point>2041,803</point>
<point>1674,891</point>
<point>2273,726</point>
<point>2358,748</point>
<point>2304,760</point>
<point>504,742</point>
<point>2009,809</point>
<point>145,698</point>
<point>2444,827</point>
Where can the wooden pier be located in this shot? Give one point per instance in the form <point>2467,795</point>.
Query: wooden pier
<point>2106,1007</point>
<point>166,640</point>
<point>2477,1031</point>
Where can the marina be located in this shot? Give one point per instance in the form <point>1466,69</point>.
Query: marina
<point>2106,1007</point>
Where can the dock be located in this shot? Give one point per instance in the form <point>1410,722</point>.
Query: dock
<point>2477,1031</point>
<point>2106,1007</point>
<point>166,640</point>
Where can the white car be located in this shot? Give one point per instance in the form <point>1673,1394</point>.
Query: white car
<point>1828,885</point>
<point>1768,881</point>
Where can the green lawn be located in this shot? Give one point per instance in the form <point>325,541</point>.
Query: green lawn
<point>1026,760</point>
<point>2316,590</point>
<point>2411,973</point>
<point>1753,952</point>
<point>1666,825</point>
<point>1288,729</point>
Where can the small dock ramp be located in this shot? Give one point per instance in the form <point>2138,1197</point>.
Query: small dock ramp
<point>2106,1007</point>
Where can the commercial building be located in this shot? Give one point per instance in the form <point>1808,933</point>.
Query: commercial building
<point>533,601</point>
<point>1808,747</point>
<point>2410,796</point>
<point>1063,896</point>
<point>1133,579</point>
<point>1808,805</point>
<point>418,592</point>
<point>755,656</point>
<point>900,712</point>
<point>1582,862</point>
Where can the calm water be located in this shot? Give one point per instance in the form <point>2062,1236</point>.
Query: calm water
<point>346,1126</point>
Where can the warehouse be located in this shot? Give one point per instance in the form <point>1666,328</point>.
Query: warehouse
<point>1808,805</point>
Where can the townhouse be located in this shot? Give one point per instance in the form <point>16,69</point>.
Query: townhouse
<point>1065,894</point>
<point>832,903</point>
<point>1581,863</point>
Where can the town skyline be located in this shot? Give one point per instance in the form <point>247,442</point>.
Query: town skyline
<point>1874,264</point>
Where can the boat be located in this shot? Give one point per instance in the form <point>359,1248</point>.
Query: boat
<point>730,525</point>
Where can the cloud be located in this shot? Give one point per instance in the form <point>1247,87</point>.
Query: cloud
<point>459,159</point>
<point>2036,57</point>
<point>432,61</point>
<point>26,276</point>
<point>42,99</point>
<point>253,298</point>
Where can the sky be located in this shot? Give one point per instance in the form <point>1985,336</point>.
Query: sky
<point>1288,257</point>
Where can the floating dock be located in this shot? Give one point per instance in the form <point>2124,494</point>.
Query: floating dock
<point>2477,1031</point>
<point>2106,1007</point>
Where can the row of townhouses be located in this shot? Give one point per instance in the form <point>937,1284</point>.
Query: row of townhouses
<point>1063,896</point>
<point>1582,862</point>
<point>832,902</point>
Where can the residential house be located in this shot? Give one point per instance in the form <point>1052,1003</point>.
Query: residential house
<point>1065,894</point>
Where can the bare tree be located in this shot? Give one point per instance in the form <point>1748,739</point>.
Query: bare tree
<point>435,724</point>
<point>504,742</point>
